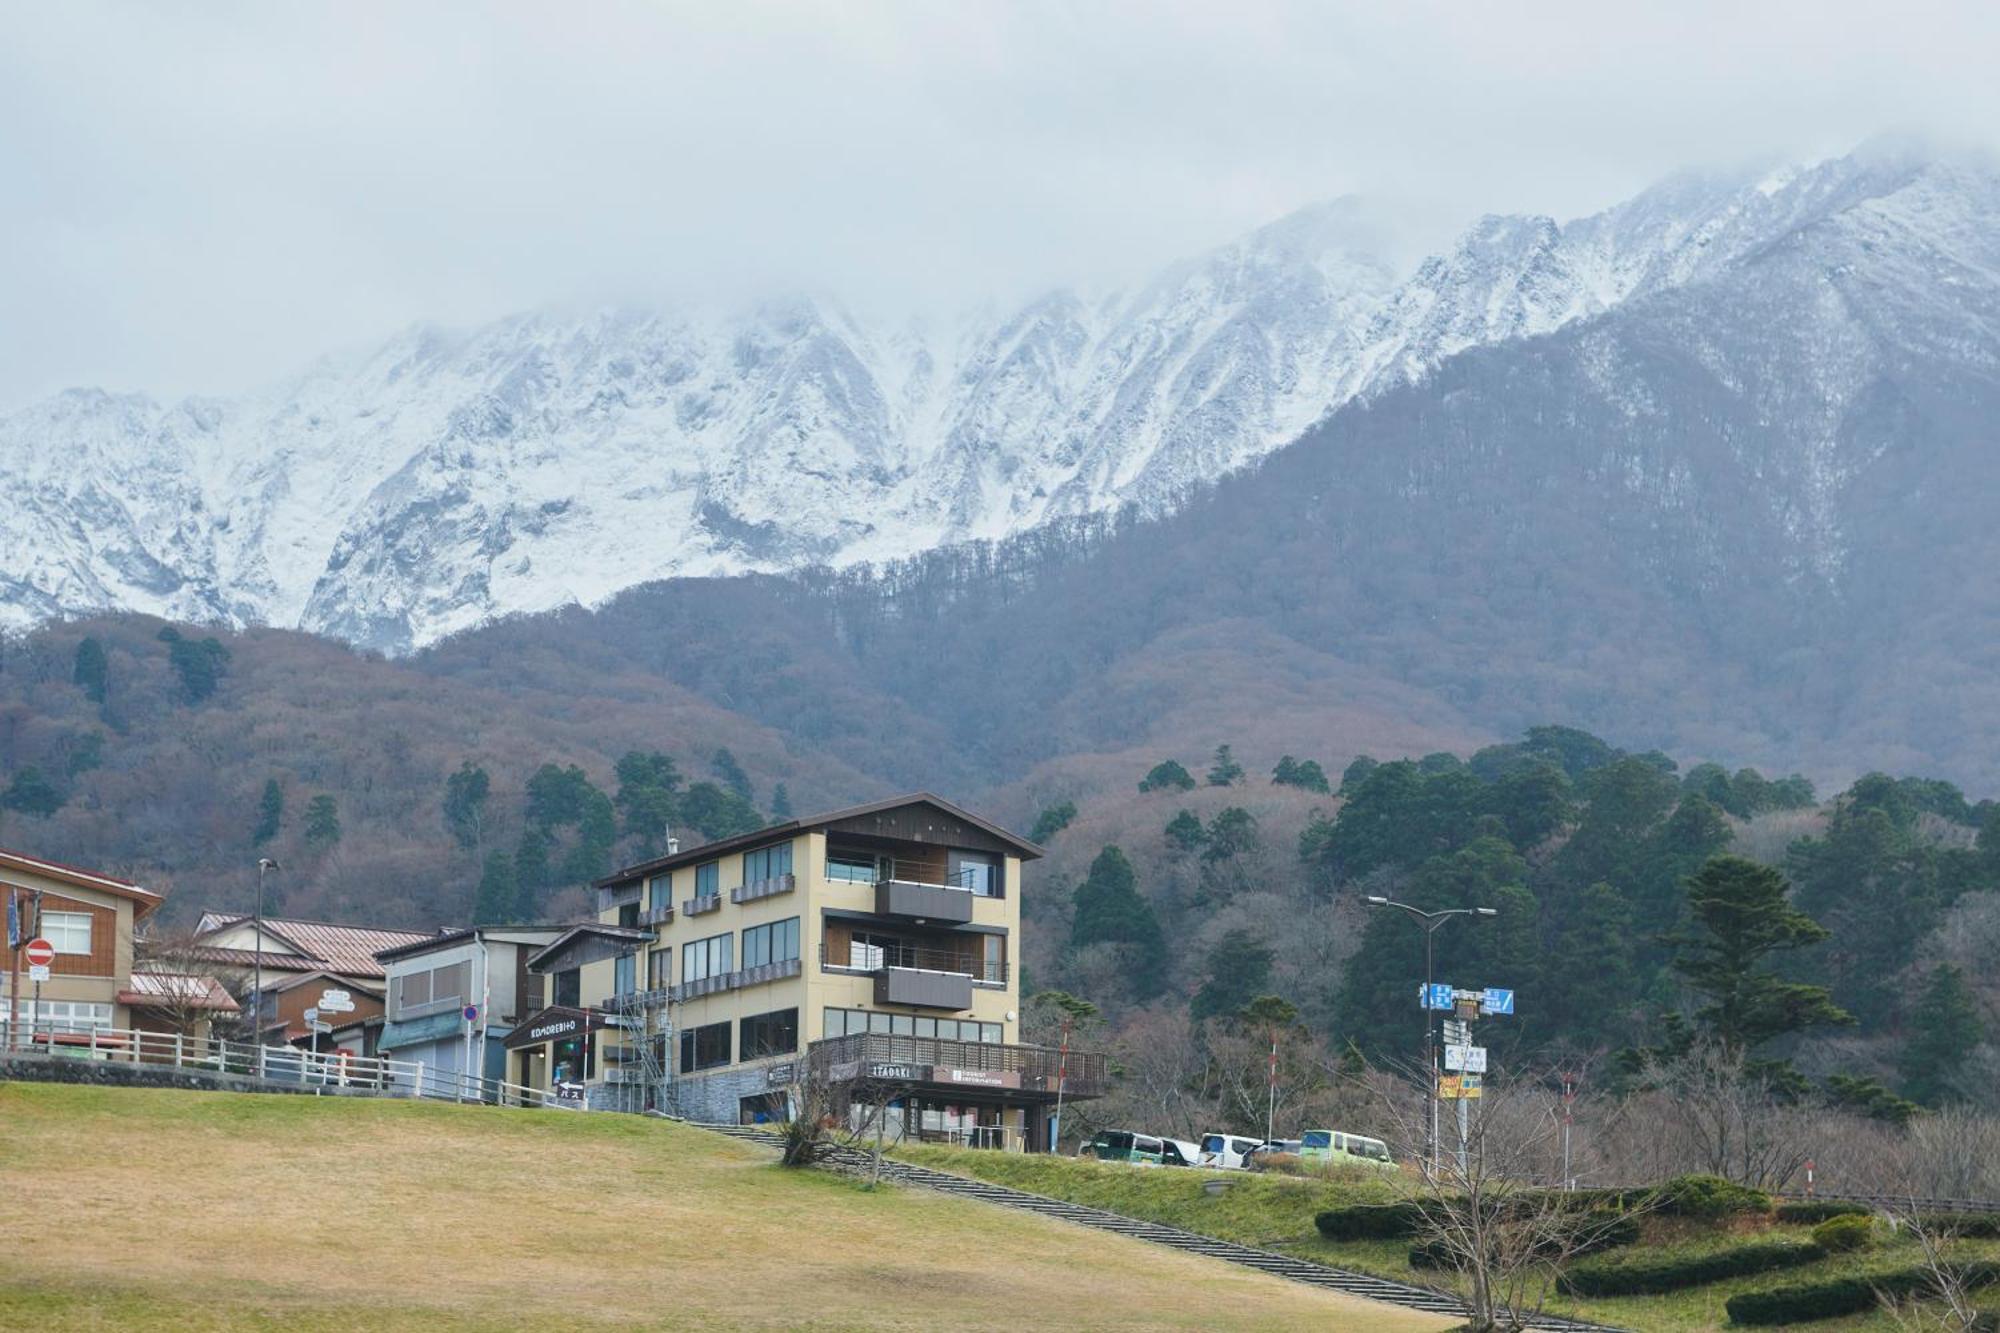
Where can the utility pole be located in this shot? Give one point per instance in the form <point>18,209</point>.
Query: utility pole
<point>1569,1118</point>
<point>264,865</point>
<point>1271,1103</point>
<point>1062,1079</point>
<point>15,939</point>
<point>1430,921</point>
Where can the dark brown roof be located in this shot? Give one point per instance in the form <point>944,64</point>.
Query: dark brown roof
<point>146,899</point>
<point>1028,851</point>
<point>322,945</point>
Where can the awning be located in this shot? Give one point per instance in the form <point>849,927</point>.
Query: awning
<point>558,1022</point>
<point>421,1031</point>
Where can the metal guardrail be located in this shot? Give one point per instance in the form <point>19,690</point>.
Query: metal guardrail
<point>337,1071</point>
<point>869,959</point>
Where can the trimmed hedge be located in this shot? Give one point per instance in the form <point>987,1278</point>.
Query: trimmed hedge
<point>1604,1231</point>
<point>1838,1235</point>
<point>1646,1276</point>
<point>1811,1212</point>
<point>1372,1221</point>
<point>1709,1196</point>
<point>1840,1296</point>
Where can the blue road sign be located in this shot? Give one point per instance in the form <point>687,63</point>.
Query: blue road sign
<point>1435,996</point>
<point>471,1013</point>
<point>1497,1001</point>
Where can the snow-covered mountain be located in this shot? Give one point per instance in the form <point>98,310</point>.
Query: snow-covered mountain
<point>546,459</point>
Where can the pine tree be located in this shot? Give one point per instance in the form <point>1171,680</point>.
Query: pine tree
<point>465,795</point>
<point>91,673</point>
<point>1239,970</point>
<point>732,774</point>
<point>1225,771</point>
<point>270,813</point>
<point>1944,1030</point>
<point>322,829</point>
<point>499,891</point>
<point>1231,833</point>
<point>1110,910</point>
<point>1185,833</point>
<point>531,873</point>
<point>781,804</point>
<point>31,793</point>
<point>198,662</point>
<point>1742,917</point>
<point>1167,775</point>
<point>1305,773</point>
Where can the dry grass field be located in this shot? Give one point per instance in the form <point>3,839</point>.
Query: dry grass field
<point>129,1209</point>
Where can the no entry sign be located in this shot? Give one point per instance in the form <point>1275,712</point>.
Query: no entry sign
<point>39,952</point>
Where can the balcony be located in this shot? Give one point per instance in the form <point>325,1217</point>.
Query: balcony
<point>920,989</point>
<point>871,960</point>
<point>918,901</point>
<point>763,888</point>
<point>699,906</point>
<point>656,916</point>
<point>1026,1073</point>
<point>723,981</point>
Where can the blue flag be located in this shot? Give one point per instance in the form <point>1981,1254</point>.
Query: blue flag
<point>13,920</point>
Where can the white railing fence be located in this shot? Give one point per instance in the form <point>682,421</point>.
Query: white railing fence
<point>332,1071</point>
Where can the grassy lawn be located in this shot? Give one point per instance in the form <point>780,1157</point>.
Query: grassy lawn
<point>135,1209</point>
<point>1276,1213</point>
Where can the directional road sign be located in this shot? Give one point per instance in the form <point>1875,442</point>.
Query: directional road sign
<point>1437,995</point>
<point>1465,1059</point>
<point>336,1002</point>
<point>1497,1001</point>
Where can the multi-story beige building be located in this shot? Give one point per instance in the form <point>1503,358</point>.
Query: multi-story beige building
<point>876,946</point>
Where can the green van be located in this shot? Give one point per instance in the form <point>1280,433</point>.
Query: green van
<point>1122,1145</point>
<point>1324,1147</point>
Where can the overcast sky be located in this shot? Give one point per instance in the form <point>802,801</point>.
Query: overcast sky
<point>203,197</point>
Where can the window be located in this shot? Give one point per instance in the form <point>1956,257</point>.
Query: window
<point>712,957</point>
<point>850,867</point>
<point>624,974</point>
<point>873,952</point>
<point>847,1022</point>
<point>660,891</point>
<point>433,988</point>
<point>775,943</point>
<point>60,1015</point>
<point>775,1033</point>
<point>707,879</point>
<point>569,987</point>
<point>704,1047</point>
<point>413,989</point>
<point>996,959</point>
<point>68,931</point>
<point>659,968</point>
<point>628,915</point>
<point>979,874</point>
<point>767,863</point>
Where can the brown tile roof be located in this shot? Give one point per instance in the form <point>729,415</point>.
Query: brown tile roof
<point>150,990</point>
<point>346,950</point>
<point>146,899</point>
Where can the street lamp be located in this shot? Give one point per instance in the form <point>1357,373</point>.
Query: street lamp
<point>1430,921</point>
<point>264,866</point>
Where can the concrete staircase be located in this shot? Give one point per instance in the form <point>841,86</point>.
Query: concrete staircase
<point>1264,1261</point>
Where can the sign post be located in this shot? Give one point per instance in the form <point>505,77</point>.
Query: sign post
<point>40,955</point>
<point>471,1014</point>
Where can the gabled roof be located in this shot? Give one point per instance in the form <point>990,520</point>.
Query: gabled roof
<point>446,938</point>
<point>347,950</point>
<point>145,899</point>
<point>610,941</point>
<point>186,990</point>
<point>293,980</point>
<point>1026,850</point>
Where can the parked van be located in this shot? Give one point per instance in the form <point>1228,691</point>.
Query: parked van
<point>1228,1151</point>
<point>1179,1152</point>
<point>1123,1145</point>
<point>1322,1147</point>
<point>1270,1148</point>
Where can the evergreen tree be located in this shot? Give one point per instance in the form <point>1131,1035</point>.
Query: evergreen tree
<point>1052,820</point>
<point>1592,985</point>
<point>92,670</point>
<point>86,753</point>
<point>1944,1031</point>
<point>465,795</point>
<point>732,775</point>
<point>1304,773</point>
<point>781,805</point>
<point>322,827</point>
<point>531,872</point>
<point>1185,833</point>
<point>1741,918</point>
<point>1167,775</point>
<point>648,798</point>
<point>1225,771</point>
<point>596,830</point>
<point>31,793</point>
<point>198,663</point>
<point>499,891</point>
<point>270,813</point>
<point>1238,971</point>
<point>1110,910</point>
<point>1532,802</point>
<point>717,813</point>
<point>1357,773</point>
<point>1231,833</point>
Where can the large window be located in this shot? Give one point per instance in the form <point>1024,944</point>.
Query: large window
<point>850,867</point>
<point>995,959</point>
<point>434,988</point>
<point>60,1015</point>
<point>659,968</point>
<point>775,943</point>
<point>712,957</point>
<point>68,931</point>
<point>980,874</point>
<point>708,879</point>
<point>704,1047</point>
<point>660,890</point>
<point>775,1033</point>
<point>767,863</point>
<point>624,974</point>
<point>847,1022</point>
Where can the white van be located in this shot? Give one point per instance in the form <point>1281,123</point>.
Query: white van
<point>1179,1152</point>
<point>1227,1151</point>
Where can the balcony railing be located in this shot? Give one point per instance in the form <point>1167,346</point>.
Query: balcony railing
<point>697,906</point>
<point>656,916</point>
<point>722,981</point>
<point>763,888</point>
<point>880,1056</point>
<point>868,959</point>
<point>919,989</point>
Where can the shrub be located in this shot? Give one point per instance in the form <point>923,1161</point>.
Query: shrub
<point>1594,1233</point>
<point>1973,1226</point>
<point>1849,1231</point>
<point>1809,1212</point>
<point>1372,1221</point>
<point>1651,1272</point>
<point>1832,1297</point>
<point>1710,1196</point>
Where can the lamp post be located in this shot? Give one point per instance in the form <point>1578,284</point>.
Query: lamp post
<point>1430,921</point>
<point>264,866</point>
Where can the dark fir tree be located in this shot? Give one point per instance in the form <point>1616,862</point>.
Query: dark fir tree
<point>732,774</point>
<point>1741,918</point>
<point>1224,771</point>
<point>499,891</point>
<point>781,804</point>
<point>198,662</point>
<point>531,873</point>
<point>1167,775</point>
<point>1357,773</point>
<point>1944,1031</point>
<point>1185,833</point>
<point>91,671</point>
<point>1233,832</point>
<point>322,825</point>
<point>648,800</point>
<point>717,813</point>
<point>1238,970</point>
<point>1052,820</point>
<point>589,855</point>
<point>465,795</point>
<point>1110,910</point>
<point>1591,986</point>
<point>1305,773</point>
<point>31,793</point>
<point>270,813</point>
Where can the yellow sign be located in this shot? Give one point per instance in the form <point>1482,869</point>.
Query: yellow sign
<point>1458,1087</point>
